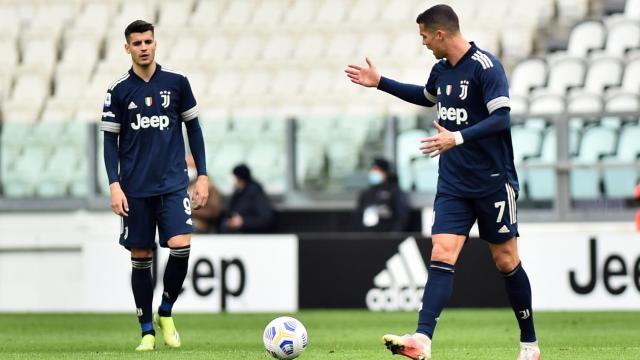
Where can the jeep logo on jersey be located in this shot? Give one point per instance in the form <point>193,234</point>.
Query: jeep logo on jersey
<point>155,121</point>
<point>166,98</point>
<point>452,114</point>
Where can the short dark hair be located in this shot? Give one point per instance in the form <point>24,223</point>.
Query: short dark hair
<point>440,17</point>
<point>138,26</point>
<point>242,172</point>
<point>382,164</point>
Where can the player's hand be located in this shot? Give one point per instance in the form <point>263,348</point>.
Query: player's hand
<point>200,192</point>
<point>119,203</point>
<point>235,222</point>
<point>439,143</point>
<point>365,76</point>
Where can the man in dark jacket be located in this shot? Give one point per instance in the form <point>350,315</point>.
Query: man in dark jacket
<point>383,206</point>
<point>249,209</point>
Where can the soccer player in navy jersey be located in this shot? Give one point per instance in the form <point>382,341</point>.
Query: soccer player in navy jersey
<point>477,178</point>
<point>144,155</point>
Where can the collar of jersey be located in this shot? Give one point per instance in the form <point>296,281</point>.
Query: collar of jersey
<point>466,55</point>
<point>135,76</point>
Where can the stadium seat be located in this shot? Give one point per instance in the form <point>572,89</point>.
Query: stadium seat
<point>309,46</point>
<point>586,36</point>
<point>518,104</point>
<point>581,103</point>
<point>342,46</point>
<point>622,102</point>
<point>425,174</point>
<point>246,47</point>
<point>364,11</point>
<point>301,12</point>
<point>622,36</point>
<point>541,175</point>
<point>398,11</point>
<point>408,149</point>
<point>548,104</point>
<point>331,12</point>
<point>267,161</point>
<point>56,175</point>
<point>207,13</point>
<point>278,48</point>
<point>563,74</point>
<point>39,54</point>
<point>174,13</point>
<point>405,44</point>
<point>528,74</point>
<point>516,41</point>
<point>630,79</point>
<point>228,155</point>
<point>184,51</point>
<point>22,179</point>
<point>602,73</point>
<point>619,180</point>
<point>216,48</point>
<point>572,10</point>
<point>596,142</point>
<point>9,21</point>
<point>373,44</point>
<point>237,13</point>
<point>223,84</point>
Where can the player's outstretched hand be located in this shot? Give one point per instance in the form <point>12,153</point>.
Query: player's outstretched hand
<point>365,76</point>
<point>119,203</point>
<point>439,143</point>
<point>200,192</point>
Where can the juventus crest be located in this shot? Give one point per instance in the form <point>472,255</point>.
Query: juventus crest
<point>464,86</point>
<point>166,98</point>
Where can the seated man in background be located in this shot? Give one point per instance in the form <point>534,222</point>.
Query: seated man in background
<point>206,218</point>
<point>383,206</point>
<point>249,209</point>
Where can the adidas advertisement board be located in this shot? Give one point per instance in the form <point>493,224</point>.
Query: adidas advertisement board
<point>230,273</point>
<point>387,272</point>
<point>582,266</point>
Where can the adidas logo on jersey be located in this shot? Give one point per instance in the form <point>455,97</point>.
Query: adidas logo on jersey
<point>504,230</point>
<point>155,121</point>
<point>401,284</point>
<point>458,115</point>
<point>132,105</point>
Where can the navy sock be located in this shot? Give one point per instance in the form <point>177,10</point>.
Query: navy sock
<point>142,286</point>
<point>436,295</point>
<point>519,292</point>
<point>174,276</point>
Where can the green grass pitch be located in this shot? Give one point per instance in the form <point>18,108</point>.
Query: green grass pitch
<point>353,335</point>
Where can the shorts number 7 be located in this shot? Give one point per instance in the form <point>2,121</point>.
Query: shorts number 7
<point>499,204</point>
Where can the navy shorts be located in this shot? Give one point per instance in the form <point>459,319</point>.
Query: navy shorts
<point>496,215</point>
<point>170,213</point>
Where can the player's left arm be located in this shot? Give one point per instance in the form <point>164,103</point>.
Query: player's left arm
<point>189,115</point>
<point>495,92</point>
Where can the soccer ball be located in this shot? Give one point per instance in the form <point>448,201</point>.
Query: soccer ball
<point>285,338</point>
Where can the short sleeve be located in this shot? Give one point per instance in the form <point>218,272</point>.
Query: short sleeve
<point>111,113</point>
<point>495,87</point>
<point>188,106</point>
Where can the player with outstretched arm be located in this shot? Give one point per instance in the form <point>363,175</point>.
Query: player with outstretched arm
<point>477,178</point>
<point>144,155</point>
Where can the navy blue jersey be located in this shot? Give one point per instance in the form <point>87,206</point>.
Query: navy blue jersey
<point>148,118</point>
<point>467,94</point>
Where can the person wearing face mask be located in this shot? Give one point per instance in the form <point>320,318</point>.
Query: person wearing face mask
<point>206,218</point>
<point>249,209</point>
<point>383,206</point>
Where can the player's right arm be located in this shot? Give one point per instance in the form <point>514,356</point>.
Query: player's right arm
<point>370,77</point>
<point>110,125</point>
